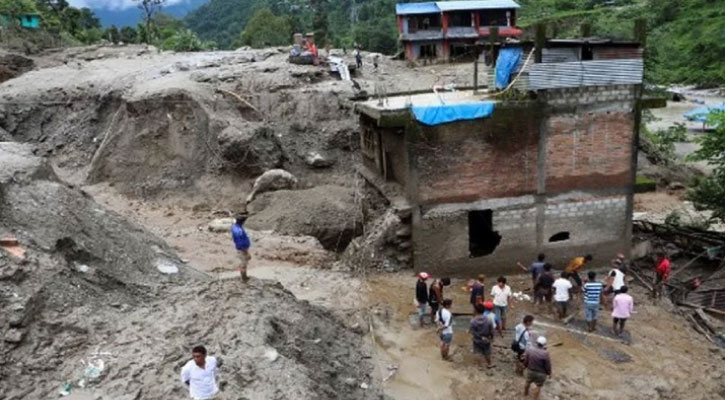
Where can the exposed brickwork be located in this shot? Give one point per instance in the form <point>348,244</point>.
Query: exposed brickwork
<point>478,160</point>
<point>589,150</point>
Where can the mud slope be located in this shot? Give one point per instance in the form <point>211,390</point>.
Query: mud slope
<point>155,124</point>
<point>92,287</point>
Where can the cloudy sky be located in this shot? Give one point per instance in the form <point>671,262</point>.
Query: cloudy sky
<point>113,4</point>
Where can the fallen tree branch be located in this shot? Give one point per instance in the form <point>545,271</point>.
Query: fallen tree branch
<point>641,280</point>
<point>710,310</point>
<point>238,97</point>
<point>699,328</point>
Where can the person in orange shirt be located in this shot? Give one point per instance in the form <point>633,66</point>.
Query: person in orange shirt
<point>576,265</point>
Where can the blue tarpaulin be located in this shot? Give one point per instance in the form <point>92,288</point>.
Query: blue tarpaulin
<point>508,59</point>
<point>701,114</point>
<point>444,113</point>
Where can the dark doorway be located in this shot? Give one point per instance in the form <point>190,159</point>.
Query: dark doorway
<point>560,237</point>
<point>482,239</point>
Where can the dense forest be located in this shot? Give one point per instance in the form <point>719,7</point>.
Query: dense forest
<point>686,40</point>
<point>686,37</point>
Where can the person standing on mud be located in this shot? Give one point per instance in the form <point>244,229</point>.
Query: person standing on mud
<point>421,296</point>
<point>522,341</point>
<point>444,318</point>
<point>622,307</point>
<point>543,285</point>
<point>538,367</point>
<point>562,294</point>
<point>592,299</point>
<point>501,297</point>
<point>576,265</point>
<point>615,280</point>
<point>435,295</point>
<point>199,374</point>
<point>481,331</point>
<point>242,244</point>
<point>536,268</point>
<point>477,292</point>
<point>662,273</point>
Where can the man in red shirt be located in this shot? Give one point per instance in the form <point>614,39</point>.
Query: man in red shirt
<point>662,272</point>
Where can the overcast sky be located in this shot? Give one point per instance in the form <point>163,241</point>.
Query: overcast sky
<point>113,4</point>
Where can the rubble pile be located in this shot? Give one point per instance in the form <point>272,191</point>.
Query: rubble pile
<point>95,306</point>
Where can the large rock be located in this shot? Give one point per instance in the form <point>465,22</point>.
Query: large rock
<point>329,213</point>
<point>274,179</point>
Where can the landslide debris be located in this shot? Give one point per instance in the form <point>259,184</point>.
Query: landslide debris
<point>100,306</point>
<point>328,212</point>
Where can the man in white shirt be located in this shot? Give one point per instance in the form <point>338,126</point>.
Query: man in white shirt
<point>562,294</point>
<point>444,318</point>
<point>199,374</point>
<point>501,295</point>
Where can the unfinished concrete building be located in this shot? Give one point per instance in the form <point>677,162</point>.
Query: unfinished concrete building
<point>548,167</point>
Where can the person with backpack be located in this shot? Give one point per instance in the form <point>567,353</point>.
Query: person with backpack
<point>481,330</point>
<point>444,319</point>
<point>522,340</point>
<point>435,295</point>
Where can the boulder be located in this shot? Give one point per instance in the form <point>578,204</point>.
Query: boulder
<point>274,179</point>
<point>327,212</point>
<point>316,160</point>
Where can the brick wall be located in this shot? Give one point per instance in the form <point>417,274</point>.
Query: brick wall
<point>588,150</point>
<point>472,160</point>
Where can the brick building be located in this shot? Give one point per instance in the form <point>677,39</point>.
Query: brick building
<point>445,30</point>
<point>551,173</point>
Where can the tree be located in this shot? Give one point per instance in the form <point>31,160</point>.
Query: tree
<point>149,9</point>
<point>128,35</point>
<point>710,191</point>
<point>319,21</point>
<point>266,29</point>
<point>112,34</point>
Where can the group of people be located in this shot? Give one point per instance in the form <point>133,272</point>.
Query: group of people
<point>569,285</point>
<point>490,315</point>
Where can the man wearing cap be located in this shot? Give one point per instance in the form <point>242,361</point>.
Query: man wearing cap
<point>538,366</point>
<point>242,244</point>
<point>488,313</point>
<point>421,295</point>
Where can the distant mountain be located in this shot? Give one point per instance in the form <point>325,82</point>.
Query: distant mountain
<point>132,16</point>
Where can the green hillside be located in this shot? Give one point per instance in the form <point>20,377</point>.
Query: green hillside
<point>686,42</point>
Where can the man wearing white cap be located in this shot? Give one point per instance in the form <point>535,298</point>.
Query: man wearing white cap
<point>421,295</point>
<point>538,366</point>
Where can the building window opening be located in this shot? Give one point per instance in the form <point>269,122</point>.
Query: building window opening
<point>482,239</point>
<point>560,237</point>
<point>428,51</point>
<point>462,19</point>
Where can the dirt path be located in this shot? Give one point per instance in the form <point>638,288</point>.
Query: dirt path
<point>655,365</point>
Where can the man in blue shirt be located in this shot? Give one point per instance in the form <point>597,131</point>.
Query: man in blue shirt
<point>242,244</point>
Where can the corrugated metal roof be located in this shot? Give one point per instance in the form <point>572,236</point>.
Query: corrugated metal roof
<point>586,73</point>
<point>560,54</point>
<point>442,6</point>
<point>476,5</point>
<point>416,8</point>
